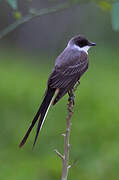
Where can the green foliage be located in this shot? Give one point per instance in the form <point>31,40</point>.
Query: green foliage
<point>95,121</point>
<point>105,5</point>
<point>115,16</point>
<point>104,2</point>
<point>12,3</point>
<point>17,15</point>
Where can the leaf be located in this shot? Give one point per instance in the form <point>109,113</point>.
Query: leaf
<point>12,3</point>
<point>115,16</point>
<point>17,15</point>
<point>105,5</point>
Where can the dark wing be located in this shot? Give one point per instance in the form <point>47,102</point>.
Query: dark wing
<point>67,75</point>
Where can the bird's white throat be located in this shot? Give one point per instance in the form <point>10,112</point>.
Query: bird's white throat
<point>85,48</point>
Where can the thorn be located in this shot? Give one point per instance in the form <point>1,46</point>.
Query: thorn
<point>73,164</point>
<point>59,154</point>
<point>69,166</point>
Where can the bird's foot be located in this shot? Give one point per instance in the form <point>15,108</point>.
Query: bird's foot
<point>76,86</point>
<point>71,99</point>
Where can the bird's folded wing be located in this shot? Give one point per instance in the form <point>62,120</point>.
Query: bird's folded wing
<point>65,77</point>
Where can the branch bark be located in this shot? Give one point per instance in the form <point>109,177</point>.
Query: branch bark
<point>33,14</point>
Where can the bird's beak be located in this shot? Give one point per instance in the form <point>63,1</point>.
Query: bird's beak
<point>92,44</point>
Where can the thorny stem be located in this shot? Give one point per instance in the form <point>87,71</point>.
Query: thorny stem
<point>65,161</point>
<point>65,157</point>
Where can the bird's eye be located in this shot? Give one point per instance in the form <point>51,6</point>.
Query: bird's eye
<point>83,43</point>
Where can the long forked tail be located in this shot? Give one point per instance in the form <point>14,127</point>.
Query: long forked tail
<point>42,112</point>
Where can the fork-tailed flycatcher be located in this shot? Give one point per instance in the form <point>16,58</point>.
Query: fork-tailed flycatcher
<point>69,67</point>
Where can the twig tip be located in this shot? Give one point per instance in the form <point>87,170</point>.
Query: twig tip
<point>59,154</point>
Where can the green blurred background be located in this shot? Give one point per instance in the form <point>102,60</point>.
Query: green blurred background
<point>26,60</point>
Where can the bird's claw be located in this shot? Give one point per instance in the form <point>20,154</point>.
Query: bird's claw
<point>71,98</point>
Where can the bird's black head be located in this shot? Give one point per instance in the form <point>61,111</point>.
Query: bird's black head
<point>81,41</point>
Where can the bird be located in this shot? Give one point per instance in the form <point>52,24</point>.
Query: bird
<point>70,65</point>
